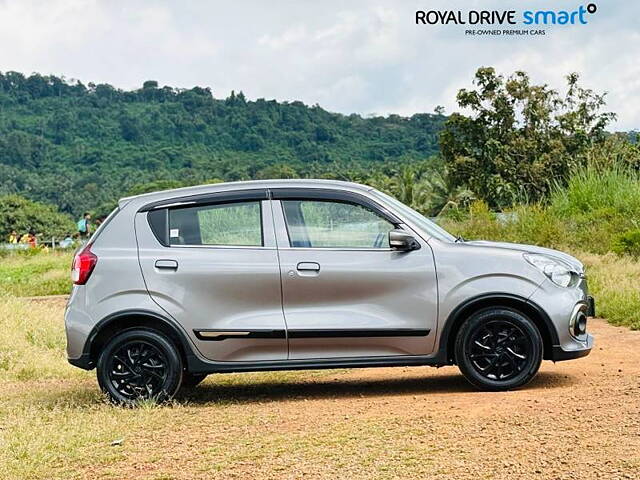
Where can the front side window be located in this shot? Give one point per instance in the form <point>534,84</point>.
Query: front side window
<point>232,224</point>
<point>329,224</point>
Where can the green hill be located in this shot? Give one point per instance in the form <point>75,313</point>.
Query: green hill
<point>81,146</point>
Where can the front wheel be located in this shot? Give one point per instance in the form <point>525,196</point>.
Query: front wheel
<point>498,349</point>
<point>139,365</point>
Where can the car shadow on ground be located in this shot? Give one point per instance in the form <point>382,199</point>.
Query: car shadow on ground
<point>260,392</point>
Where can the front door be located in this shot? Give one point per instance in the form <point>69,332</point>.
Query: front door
<point>345,292</point>
<point>212,265</point>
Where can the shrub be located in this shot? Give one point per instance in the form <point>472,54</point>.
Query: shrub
<point>628,243</point>
<point>532,224</point>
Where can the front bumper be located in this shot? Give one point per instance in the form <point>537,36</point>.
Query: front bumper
<point>558,354</point>
<point>562,306</point>
<point>583,344</point>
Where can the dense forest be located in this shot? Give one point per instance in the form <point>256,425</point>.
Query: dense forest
<point>80,147</point>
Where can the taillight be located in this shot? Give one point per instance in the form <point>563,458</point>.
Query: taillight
<point>83,264</point>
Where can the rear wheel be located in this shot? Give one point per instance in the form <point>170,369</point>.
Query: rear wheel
<point>498,349</point>
<point>137,365</point>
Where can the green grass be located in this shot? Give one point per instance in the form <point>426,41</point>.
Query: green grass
<point>615,283</point>
<point>26,274</point>
<point>32,340</point>
<point>597,207</point>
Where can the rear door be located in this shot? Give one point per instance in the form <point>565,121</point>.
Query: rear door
<point>211,263</point>
<point>345,292</point>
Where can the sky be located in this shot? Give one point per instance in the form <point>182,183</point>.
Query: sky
<point>366,57</point>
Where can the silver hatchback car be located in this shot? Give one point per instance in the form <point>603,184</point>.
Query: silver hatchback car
<point>307,274</point>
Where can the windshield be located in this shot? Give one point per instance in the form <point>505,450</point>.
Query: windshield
<point>420,220</point>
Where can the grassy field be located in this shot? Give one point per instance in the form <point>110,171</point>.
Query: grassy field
<point>28,274</point>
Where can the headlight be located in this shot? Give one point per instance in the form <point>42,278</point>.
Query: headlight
<point>558,272</point>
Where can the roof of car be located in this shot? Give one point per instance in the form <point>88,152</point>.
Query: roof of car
<point>230,186</point>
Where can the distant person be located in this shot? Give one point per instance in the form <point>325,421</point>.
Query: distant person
<point>67,242</point>
<point>32,240</point>
<point>84,226</point>
<point>24,238</point>
<point>13,237</point>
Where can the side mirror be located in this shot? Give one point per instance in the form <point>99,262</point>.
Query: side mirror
<point>401,241</point>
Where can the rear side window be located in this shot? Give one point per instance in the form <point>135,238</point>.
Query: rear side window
<point>326,224</point>
<point>230,224</point>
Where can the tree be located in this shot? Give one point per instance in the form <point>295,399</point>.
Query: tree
<point>444,195</point>
<point>130,128</point>
<point>520,138</point>
<point>411,189</point>
<point>277,171</point>
<point>19,214</point>
<point>155,186</point>
<point>149,84</point>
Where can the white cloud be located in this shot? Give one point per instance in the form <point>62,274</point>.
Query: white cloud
<point>358,56</point>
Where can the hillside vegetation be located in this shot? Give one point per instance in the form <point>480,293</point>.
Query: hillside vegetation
<point>81,147</point>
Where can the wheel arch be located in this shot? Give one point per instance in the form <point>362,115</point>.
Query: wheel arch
<point>118,322</point>
<point>463,311</point>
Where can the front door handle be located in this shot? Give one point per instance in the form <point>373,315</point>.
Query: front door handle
<point>167,264</point>
<point>308,267</point>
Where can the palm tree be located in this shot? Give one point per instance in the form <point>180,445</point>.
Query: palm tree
<point>444,195</point>
<point>411,189</point>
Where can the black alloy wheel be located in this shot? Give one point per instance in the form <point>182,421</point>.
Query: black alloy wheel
<point>138,365</point>
<point>499,349</point>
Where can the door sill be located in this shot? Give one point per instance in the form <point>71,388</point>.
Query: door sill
<point>197,365</point>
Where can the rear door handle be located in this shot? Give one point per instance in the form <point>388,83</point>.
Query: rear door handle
<point>167,264</point>
<point>308,267</point>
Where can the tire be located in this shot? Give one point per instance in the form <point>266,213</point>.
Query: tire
<point>138,365</point>
<point>498,349</point>
<point>191,380</point>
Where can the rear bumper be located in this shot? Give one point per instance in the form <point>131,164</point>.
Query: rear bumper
<point>83,361</point>
<point>558,354</point>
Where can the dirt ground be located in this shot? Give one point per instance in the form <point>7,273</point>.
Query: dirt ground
<point>577,420</point>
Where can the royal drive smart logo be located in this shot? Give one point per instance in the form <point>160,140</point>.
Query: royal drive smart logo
<point>508,22</point>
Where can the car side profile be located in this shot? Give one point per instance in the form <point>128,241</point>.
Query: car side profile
<point>309,274</point>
